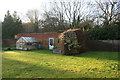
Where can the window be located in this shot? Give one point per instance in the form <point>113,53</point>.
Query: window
<point>28,43</point>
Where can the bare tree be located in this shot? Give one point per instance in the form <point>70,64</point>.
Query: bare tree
<point>69,11</point>
<point>108,11</point>
<point>27,27</point>
<point>50,23</point>
<point>33,16</point>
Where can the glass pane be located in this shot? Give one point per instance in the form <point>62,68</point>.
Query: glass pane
<point>51,42</point>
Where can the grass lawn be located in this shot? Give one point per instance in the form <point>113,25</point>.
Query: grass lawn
<point>45,64</point>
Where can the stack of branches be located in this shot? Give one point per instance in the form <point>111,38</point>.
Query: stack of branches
<point>72,42</point>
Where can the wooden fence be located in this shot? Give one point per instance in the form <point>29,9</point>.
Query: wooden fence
<point>8,42</point>
<point>103,45</point>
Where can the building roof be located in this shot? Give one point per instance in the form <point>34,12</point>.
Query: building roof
<point>62,34</point>
<point>39,33</point>
<point>28,39</point>
<point>36,35</point>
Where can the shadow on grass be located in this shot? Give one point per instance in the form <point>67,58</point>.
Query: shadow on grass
<point>90,54</point>
<point>102,55</point>
<point>18,69</point>
<point>42,51</point>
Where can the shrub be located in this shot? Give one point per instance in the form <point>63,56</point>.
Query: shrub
<point>109,32</point>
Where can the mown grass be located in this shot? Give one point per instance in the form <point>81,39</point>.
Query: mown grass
<point>45,64</point>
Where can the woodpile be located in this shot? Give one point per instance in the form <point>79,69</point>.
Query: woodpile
<point>72,42</point>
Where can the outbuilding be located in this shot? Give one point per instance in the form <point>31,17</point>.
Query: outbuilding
<point>27,43</point>
<point>47,40</point>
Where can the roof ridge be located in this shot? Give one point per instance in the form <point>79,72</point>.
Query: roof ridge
<point>37,33</point>
<point>29,39</point>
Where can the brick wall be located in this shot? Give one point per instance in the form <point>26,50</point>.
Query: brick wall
<point>42,37</point>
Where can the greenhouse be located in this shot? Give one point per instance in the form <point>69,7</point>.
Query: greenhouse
<point>27,43</point>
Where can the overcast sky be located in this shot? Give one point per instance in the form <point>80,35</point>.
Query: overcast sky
<point>22,6</point>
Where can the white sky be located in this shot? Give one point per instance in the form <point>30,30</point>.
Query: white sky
<point>22,6</point>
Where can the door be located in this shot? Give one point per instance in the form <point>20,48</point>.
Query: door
<point>51,43</point>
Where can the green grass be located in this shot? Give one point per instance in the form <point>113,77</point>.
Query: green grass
<point>45,64</point>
